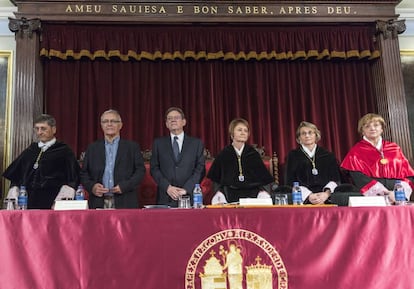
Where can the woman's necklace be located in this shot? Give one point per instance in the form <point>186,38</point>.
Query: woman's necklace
<point>241,176</point>
<point>383,160</point>
<point>312,160</point>
<point>238,154</point>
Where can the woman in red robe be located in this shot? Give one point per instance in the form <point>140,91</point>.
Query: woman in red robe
<point>375,164</point>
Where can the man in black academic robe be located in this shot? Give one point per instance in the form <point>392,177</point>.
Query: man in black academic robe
<point>46,167</point>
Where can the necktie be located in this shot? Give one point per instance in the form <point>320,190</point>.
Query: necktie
<point>176,148</point>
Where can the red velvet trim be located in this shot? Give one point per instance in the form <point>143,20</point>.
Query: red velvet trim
<point>368,186</point>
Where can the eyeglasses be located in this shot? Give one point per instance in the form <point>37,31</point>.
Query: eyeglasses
<point>41,128</point>
<point>372,125</point>
<point>303,133</point>
<point>171,118</point>
<point>111,121</point>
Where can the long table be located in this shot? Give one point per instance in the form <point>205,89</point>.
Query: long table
<point>262,248</point>
<point>147,189</point>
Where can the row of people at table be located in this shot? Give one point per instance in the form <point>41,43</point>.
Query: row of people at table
<point>49,170</point>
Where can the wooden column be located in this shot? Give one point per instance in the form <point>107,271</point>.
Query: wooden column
<point>28,95</point>
<point>389,85</point>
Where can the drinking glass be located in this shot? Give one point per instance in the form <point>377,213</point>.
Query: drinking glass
<point>281,199</point>
<point>109,201</point>
<point>9,204</point>
<point>387,199</point>
<point>184,202</point>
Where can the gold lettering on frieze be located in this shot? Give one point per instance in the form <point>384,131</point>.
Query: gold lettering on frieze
<point>138,9</point>
<point>338,10</point>
<point>248,10</point>
<point>205,9</point>
<point>217,9</point>
<point>306,10</point>
<point>83,9</point>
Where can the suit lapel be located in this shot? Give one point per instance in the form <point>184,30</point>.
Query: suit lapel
<point>101,160</point>
<point>184,147</point>
<point>168,147</point>
<point>118,153</point>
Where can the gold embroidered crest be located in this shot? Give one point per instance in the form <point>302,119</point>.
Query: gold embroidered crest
<point>235,259</point>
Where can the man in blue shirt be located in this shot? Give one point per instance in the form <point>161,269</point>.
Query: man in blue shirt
<point>112,165</point>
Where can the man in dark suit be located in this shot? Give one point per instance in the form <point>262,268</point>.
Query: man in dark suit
<point>112,166</point>
<point>177,161</point>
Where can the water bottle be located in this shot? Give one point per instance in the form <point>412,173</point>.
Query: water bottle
<point>296,194</point>
<point>399,193</point>
<point>197,197</point>
<point>79,194</point>
<point>22,198</point>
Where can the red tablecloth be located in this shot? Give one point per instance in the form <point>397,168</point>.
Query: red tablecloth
<point>176,248</point>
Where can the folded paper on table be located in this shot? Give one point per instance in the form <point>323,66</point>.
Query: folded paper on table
<point>255,202</point>
<point>372,201</point>
<point>156,207</point>
<point>64,205</point>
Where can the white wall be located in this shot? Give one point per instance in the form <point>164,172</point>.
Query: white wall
<point>6,37</point>
<point>406,11</point>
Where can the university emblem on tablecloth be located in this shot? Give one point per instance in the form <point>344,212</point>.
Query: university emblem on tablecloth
<point>235,259</point>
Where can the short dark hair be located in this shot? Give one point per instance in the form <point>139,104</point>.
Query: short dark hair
<point>177,109</point>
<point>50,120</point>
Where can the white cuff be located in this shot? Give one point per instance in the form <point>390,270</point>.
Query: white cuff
<point>65,192</point>
<point>219,198</point>
<point>13,193</point>
<point>407,189</point>
<point>376,190</point>
<point>263,195</point>
<point>331,185</point>
<point>305,192</point>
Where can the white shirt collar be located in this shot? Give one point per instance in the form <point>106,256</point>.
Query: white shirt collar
<point>180,137</point>
<point>239,151</point>
<point>45,145</point>
<point>309,152</point>
<point>379,144</point>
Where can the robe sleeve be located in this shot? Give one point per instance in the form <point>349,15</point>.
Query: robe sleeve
<point>367,186</point>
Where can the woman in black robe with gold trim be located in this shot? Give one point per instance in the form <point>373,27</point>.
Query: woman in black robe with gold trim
<point>238,171</point>
<point>315,168</point>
